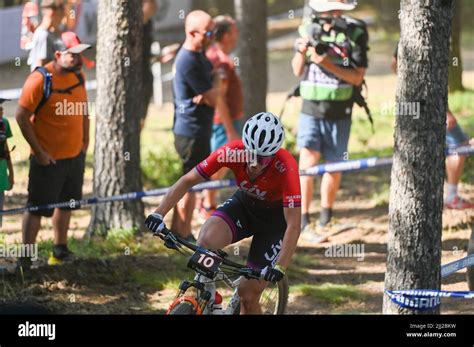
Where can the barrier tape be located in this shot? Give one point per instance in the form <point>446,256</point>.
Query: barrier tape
<point>427,299</point>
<point>345,166</point>
<point>74,204</point>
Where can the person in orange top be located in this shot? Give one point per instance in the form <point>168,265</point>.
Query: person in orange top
<point>57,130</point>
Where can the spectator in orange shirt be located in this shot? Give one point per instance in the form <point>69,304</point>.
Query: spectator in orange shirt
<point>57,130</point>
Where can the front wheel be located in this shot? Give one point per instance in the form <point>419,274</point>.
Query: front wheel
<point>183,308</point>
<point>273,299</point>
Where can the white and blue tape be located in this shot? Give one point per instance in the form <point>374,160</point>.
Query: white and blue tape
<point>427,299</point>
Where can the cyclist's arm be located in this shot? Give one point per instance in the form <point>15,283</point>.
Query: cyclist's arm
<point>293,228</point>
<point>178,190</point>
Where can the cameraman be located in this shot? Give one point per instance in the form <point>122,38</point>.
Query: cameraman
<point>327,88</point>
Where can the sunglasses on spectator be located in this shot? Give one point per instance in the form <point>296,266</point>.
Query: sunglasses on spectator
<point>265,160</point>
<point>208,34</point>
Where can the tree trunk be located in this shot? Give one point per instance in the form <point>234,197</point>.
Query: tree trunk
<point>455,59</point>
<point>118,109</point>
<point>252,53</point>
<point>416,198</point>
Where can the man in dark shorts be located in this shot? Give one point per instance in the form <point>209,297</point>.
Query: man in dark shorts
<point>267,204</point>
<point>194,102</point>
<point>58,141</point>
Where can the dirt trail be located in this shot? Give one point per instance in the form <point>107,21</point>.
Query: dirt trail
<point>110,285</point>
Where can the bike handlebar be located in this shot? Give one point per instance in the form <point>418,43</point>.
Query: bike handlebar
<point>173,241</point>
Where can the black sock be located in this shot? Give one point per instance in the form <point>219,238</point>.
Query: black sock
<point>305,220</point>
<point>326,215</point>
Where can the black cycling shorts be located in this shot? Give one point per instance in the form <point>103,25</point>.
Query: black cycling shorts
<point>245,218</point>
<point>192,150</point>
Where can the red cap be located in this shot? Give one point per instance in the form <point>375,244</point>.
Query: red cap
<point>70,42</point>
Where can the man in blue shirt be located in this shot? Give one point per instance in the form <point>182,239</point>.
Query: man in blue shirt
<point>194,102</point>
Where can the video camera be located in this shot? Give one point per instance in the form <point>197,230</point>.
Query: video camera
<point>316,30</point>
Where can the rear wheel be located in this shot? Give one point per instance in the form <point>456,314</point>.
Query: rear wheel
<point>273,299</point>
<point>470,269</point>
<point>183,308</point>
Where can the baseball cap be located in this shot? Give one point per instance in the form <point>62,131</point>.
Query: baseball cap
<point>332,5</point>
<point>70,42</point>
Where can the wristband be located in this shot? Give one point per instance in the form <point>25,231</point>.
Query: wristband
<point>157,215</point>
<point>281,269</point>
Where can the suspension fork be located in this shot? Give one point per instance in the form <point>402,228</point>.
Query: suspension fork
<point>203,297</point>
<point>206,292</point>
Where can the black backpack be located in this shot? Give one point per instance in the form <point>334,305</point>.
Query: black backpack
<point>3,140</point>
<point>48,86</point>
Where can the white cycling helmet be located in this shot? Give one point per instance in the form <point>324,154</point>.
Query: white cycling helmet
<point>263,133</point>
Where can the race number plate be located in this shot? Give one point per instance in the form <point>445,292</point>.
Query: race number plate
<point>204,263</point>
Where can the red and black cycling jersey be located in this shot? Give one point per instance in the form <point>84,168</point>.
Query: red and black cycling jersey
<point>280,181</point>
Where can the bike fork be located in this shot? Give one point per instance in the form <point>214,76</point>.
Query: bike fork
<point>203,296</point>
<point>209,288</point>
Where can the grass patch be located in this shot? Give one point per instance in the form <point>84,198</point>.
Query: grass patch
<point>156,280</point>
<point>154,175</point>
<point>169,275</point>
<point>118,242</point>
<point>381,197</point>
<point>329,292</point>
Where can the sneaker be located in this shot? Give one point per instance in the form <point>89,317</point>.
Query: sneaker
<point>458,204</point>
<point>59,255</point>
<point>24,263</point>
<point>310,236</point>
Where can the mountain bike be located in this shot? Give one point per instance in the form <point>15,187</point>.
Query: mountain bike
<point>200,297</point>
